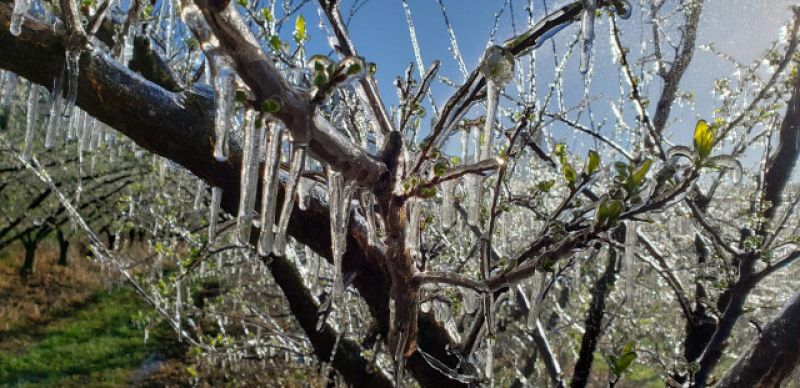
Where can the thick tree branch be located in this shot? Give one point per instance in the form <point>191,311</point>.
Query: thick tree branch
<point>179,126</point>
<point>772,356</point>
<point>259,73</point>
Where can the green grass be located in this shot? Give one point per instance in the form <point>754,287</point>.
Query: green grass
<point>96,345</point>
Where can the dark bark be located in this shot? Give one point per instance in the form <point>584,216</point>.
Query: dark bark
<point>594,318</point>
<point>63,247</point>
<point>772,356</point>
<point>30,245</point>
<point>347,360</point>
<point>783,162</point>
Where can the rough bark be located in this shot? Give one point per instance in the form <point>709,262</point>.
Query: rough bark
<point>773,355</point>
<point>179,126</point>
<point>594,320</point>
<point>783,162</point>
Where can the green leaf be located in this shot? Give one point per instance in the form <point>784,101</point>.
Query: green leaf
<point>440,168</point>
<point>592,162</point>
<point>300,29</point>
<point>569,173</point>
<point>271,105</point>
<point>545,186</point>
<point>561,150</point>
<point>608,211</point>
<point>266,13</point>
<point>704,136</point>
<point>427,192</point>
<point>276,43</point>
<point>241,96</point>
<point>621,168</point>
<point>623,362</point>
<point>641,170</point>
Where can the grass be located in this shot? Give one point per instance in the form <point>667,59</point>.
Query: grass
<point>96,346</point>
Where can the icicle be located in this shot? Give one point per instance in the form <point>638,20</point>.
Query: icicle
<point>30,121</point>
<point>413,210</point>
<point>20,8</point>
<point>199,193</point>
<point>55,111</point>
<point>253,136</point>
<point>486,139</point>
<point>448,204</point>
<point>412,31</point>
<point>216,198</point>
<point>630,266</point>
<point>304,187</point>
<point>295,169</point>
<point>535,300</point>
<point>178,305</point>
<point>471,301</point>
<point>473,187</point>
<point>489,368</point>
<point>269,190</point>
<point>73,72</point>
<point>224,94</point>
<point>339,203</point>
<point>368,203</point>
<point>497,66</point>
<point>587,33</point>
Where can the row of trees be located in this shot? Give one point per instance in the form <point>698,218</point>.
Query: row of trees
<point>512,261</point>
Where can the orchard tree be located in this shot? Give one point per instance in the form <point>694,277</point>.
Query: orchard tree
<point>506,234</point>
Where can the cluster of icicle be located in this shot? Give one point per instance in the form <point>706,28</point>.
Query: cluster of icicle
<point>62,120</point>
<point>266,145</point>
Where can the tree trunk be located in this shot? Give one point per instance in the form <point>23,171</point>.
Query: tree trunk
<point>63,248</point>
<point>773,355</point>
<point>594,319</point>
<point>30,256</point>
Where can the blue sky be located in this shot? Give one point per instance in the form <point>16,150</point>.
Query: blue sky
<point>741,28</point>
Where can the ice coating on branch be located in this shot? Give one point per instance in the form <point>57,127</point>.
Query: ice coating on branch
<point>368,204</point>
<point>587,33</point>
<point>269,190</point>
<point>304,187</point>
<point>486,138</point>
<point>471,301</point>
<point>224,95</point>
<point>535,301</point>
<point>412,32</point>
<point>472,183</point>
<point>497,65</point>
<point>630,266</point>
<point>489,367</point>
<point>295,169</point>
<point>30,120</point>
<point>339,202</point>
<point>413,211</point>
<point>216,198</point>
<point>253,136</point>
<point>17,15</point>
<point>448,203</point>
<point>56,108</point>
<point>199,192</point>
